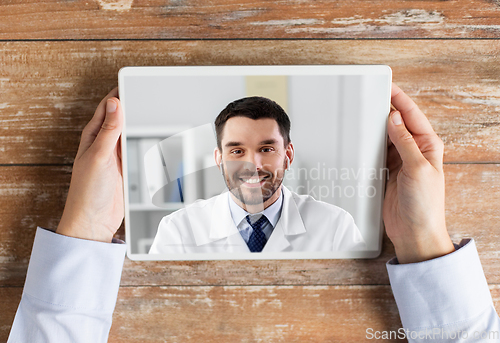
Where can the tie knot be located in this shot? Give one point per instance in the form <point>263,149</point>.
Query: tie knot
<point>257,222</point>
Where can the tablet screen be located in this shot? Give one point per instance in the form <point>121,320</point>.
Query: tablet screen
<point>208,151</point>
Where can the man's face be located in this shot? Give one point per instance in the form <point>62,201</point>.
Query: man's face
<point>253,160</point>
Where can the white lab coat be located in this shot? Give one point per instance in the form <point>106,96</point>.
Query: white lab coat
<point>305,224</point>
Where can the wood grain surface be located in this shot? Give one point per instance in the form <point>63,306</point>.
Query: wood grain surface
<point>268,314</point>
<point>50,89</point>
<point>59,58</point>
<point>241,313</point>
<point>31,196</point>
<point>245,19</point>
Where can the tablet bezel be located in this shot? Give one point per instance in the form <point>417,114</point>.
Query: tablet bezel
<point>244,71</point>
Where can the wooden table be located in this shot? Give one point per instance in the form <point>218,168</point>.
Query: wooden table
<point>59,58</point>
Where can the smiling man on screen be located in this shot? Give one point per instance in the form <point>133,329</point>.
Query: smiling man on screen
<point>258,214</point>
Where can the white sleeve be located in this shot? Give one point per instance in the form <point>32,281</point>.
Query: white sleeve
<point>446,299</point>
<point>70,290</point>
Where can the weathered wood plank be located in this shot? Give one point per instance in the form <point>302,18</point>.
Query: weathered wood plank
<point>182,19</point>
<point>252,314</point>
<point>31,196</point>
<point>50,90</point>
<point>241,314</point>
<point>9,301</point>
<point>244,314</point>
<point>472,210</point>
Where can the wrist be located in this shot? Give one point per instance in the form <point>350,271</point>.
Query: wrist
<point>419,249</point>
<point>82,230</point>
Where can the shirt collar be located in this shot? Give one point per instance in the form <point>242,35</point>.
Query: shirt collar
<point>272,213</point>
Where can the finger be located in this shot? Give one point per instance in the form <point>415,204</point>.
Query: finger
<point>429,143</point>
<point>403,141</point>
<point>91,130</point>
<point>415,120</point>
<point>393,162</point>
<point>389,142</point>
<point>107,139</point>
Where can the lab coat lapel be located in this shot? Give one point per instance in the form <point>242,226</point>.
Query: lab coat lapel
<point>289,224</point>
<point>222,228</point>
<point>236,243</point>
<point>222,224</point>
<point>211,223</point>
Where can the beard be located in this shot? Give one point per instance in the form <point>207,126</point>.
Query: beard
<point>234,174</point>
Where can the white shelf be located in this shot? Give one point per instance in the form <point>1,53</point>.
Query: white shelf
<point>154,131</point>
<point>169,206</point>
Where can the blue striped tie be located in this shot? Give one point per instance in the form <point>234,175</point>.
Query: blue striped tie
<point>257,238</point>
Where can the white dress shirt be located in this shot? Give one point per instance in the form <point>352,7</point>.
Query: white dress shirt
<point>70,291</point>
<point>446,299</point>
<point>72,284</point>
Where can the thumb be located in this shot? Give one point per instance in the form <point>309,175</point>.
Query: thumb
<point>111,128</point>
<point>403,140</point>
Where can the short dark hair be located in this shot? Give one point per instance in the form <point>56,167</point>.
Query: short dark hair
<point>255,107</point>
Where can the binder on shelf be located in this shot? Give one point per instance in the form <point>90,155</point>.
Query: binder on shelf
<point>134,184</point>
<point>153,176</point>
<point>172,157</point>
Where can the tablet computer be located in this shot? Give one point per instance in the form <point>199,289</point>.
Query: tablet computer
<point>254,162</point>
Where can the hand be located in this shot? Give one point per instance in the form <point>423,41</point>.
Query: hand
<point>413,212</point>
<point>94,207</point>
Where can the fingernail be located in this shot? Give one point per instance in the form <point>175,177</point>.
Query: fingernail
<point>396,118</point>
<point>110,106</point>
